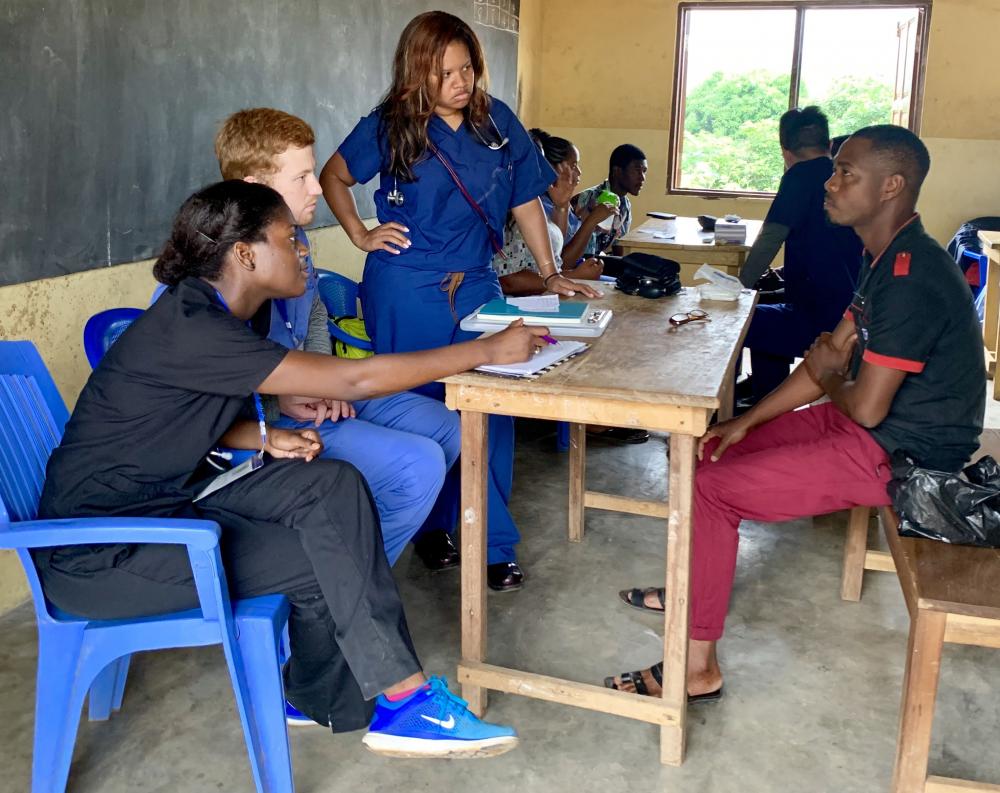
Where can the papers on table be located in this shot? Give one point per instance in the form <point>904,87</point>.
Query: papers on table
<point>545,303</point>
<point>548,356</point>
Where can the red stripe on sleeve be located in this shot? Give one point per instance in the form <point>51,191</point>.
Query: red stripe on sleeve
<point>888,361</point>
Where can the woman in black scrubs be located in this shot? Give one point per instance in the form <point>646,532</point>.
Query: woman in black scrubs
<point>178,383</point>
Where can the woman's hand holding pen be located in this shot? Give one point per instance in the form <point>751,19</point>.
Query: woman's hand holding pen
<point>515,344</point>
<point>389,237</point>
<point>564,286</point>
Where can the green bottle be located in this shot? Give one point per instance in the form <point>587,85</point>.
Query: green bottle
<point>609,199</point>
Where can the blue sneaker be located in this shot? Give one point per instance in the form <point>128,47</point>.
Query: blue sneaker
<point>433,722</point>
<point>296,718</point>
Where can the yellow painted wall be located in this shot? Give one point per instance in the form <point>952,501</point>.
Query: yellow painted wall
<point>529,62</point>
<point>53,311</point>
<point>608,80</point>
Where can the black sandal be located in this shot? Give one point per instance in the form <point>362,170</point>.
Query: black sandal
<point>628,435</point>
<point>636,598</point>
<point>656,670</point>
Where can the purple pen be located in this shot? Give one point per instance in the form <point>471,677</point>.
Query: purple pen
<point>550,340</point>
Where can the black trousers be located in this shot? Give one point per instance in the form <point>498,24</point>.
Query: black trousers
<point>307,530</point>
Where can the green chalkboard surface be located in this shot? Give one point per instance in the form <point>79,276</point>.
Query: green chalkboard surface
<point>110,106</point>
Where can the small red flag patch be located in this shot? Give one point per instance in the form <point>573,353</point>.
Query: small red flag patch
<point>902,264</point>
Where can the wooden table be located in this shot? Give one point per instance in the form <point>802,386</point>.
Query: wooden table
<point>640,373</point>
<point>687,248</point>
<point>991,319</point>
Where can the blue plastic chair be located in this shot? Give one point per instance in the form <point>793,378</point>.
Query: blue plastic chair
<point>76,655</point>
<point>103,329</point>
<point>340,296</point>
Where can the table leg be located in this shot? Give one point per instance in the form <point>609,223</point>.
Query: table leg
<point>475,461</point>
<point>996,349</point>
<point>991,314</point>
<point>577,479</point>
<point>675,633</point>
<point>727,395</point>
<point>920,683</point>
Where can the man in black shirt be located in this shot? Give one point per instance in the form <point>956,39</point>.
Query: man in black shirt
<point>903,370</point>
<point>821,259</point>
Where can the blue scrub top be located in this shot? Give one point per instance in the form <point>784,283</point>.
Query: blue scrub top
<point>446,234</point>
<point>290,317</point>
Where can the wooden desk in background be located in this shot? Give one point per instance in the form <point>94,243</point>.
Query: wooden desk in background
<point>640,373</point>
<point>991,316</point>
<point>686,248</point>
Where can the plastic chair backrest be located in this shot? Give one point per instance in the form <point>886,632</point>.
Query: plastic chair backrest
<point>32,418</point>
<point>103,329</point>
<point>338,293</point>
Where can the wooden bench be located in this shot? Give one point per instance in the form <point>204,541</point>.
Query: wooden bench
<point>953,595</point>
<point>858,557</point>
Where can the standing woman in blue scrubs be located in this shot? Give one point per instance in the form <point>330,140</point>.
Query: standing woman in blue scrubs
<point>452,162</point>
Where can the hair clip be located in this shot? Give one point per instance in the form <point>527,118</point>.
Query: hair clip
<point>203,234</point>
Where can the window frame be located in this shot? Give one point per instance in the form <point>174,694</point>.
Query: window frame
<point>677,109</point>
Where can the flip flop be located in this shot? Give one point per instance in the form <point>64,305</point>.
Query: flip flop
<point>636,598</point>
<point>629,435</point>
<point>637,680</point>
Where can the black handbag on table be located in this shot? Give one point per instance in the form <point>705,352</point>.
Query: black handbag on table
<point>649,276</point>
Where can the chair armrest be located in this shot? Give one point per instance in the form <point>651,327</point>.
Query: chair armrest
<point>201,535</point>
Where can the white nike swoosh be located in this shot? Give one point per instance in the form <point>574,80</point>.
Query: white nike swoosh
<point>448,724</point>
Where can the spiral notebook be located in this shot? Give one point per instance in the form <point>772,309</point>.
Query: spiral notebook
<point>548,357</point>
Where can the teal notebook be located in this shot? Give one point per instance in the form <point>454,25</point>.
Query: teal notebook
<point>499,310</point>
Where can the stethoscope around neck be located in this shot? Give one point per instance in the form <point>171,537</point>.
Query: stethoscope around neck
<point>396,197</point>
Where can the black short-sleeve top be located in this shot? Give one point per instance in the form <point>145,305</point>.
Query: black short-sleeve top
<point>821,259</point>
<point>159,400</point>
<point>913,311</point>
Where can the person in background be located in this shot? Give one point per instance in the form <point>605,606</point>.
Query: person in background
<point>452,161</point>
<point>903,371</point>
<point>514,265</point>
<point>179,382</point>
<point>821,259</point>
<point>626,175</point>
<point>517,270</point>
<point>404,443</point>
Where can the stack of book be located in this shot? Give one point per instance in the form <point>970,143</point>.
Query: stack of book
<point>561,318</point>
<point>500,310</point>
<point>727,233</point>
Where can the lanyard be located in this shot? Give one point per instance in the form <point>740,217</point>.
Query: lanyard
<point>283,311</point>
<point>256,397</point>
<point>494,240</point>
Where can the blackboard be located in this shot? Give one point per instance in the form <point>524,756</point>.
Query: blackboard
<point>110,107</point>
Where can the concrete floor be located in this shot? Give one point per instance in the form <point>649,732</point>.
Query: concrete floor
<point>812,683</point>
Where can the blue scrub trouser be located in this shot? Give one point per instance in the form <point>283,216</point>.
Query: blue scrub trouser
<point>403,445</point>
<point>778,334</point>
<point>407,310</point>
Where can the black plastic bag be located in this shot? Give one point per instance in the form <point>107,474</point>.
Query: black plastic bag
<point>963,509</point>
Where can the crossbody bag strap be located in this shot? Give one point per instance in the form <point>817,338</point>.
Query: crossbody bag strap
<point>494,241</point>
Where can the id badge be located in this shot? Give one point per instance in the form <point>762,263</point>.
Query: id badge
<point>237,472</point>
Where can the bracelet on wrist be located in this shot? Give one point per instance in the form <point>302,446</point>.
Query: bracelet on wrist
<point>545,280</point>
